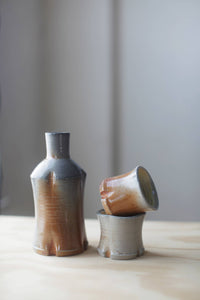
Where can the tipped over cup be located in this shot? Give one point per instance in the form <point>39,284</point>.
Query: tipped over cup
<point>128,194</point>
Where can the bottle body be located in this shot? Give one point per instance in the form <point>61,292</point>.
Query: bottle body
<point>58,190</point>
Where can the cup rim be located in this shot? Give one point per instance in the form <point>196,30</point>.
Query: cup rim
<point>137,215</point>
<point>155,204</point>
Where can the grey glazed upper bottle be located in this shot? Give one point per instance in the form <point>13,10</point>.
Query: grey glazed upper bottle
<point>58,190</point>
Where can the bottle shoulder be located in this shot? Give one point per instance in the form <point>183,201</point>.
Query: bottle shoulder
<point>62,168</point>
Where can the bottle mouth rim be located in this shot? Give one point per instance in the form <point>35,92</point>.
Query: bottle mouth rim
<point>57,133</point>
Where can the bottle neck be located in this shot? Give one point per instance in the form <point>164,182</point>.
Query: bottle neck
<point>57,144</point>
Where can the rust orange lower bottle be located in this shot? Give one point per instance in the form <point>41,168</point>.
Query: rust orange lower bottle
<point>58,190</point>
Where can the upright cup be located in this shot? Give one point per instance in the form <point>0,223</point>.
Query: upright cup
<point>121,237</point>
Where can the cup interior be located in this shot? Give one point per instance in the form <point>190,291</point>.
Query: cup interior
<point>147,187</point>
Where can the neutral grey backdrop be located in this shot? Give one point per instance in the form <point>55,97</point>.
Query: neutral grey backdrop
<point>122,76</point>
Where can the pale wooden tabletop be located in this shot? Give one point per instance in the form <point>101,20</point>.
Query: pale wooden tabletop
<point>170,268</point>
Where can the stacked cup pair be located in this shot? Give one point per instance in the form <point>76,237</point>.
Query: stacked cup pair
<point>125,199</point>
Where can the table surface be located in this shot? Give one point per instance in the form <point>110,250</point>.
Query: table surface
<point>169,269</point>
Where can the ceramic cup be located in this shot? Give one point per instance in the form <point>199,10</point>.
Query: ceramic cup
<point>130,193</point>
<point>121,237</point>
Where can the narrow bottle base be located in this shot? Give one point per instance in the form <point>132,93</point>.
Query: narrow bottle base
<point>49,252</point>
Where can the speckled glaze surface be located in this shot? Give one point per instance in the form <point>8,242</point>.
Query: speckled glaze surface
<point>121,237</point>
<point>130,193</point>
<point>58,189</point>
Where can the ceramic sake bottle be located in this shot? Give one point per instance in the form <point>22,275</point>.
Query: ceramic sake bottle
<point>58,188</point>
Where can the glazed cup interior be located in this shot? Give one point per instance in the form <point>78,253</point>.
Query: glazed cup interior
<point>147,187</point>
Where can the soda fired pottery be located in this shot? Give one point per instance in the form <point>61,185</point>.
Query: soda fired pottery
<point>121,237</point>
<point>125,199</point>
<point>58,187</point>
<point>130,193</point>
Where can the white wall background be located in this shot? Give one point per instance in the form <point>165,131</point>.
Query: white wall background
<point>20,114</point>
<point>121,76</point>
<point>160,100</point>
